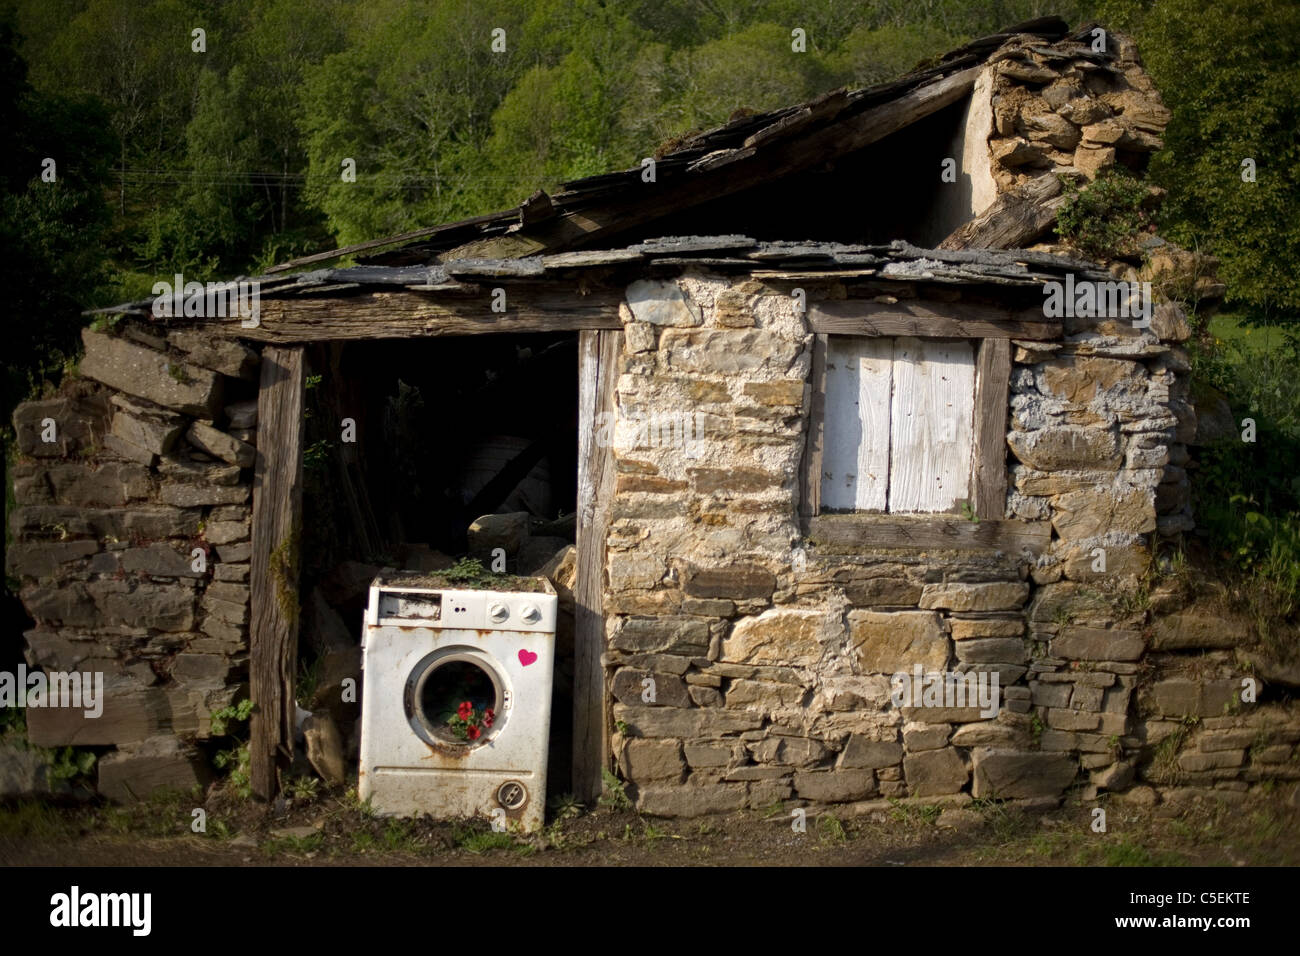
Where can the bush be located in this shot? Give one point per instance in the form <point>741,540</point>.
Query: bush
<point>1106,218</point>
<point>1247,494</point>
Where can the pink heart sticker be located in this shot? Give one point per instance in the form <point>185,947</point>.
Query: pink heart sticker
<point>526,657</point>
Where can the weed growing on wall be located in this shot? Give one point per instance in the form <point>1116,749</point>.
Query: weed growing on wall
<point>234,759</point>
<point>1106,218</point>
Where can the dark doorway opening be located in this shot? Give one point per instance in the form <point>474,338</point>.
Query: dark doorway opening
<point>406,444</point>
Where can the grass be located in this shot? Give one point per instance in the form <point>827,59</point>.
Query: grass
<point>35,819</point>
<point>917,816</point>
<point>292,844</point>
<point>830,830</point>
<point>478,842</point>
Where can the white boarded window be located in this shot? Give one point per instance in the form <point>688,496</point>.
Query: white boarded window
<point>899,424</point>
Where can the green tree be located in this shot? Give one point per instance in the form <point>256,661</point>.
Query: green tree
<point>873,55</point>
<point>1231,78</point>
<point>51,251</point>
<point>410,101</point>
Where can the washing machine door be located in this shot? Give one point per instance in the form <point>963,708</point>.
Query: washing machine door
<point>457,699</point>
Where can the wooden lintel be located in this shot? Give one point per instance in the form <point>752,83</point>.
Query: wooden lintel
<point>273,576</point>
<point>407,314</point>
<point>943,532</point>
<point>928,319</point>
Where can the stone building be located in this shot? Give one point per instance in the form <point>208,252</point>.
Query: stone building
<point>829,435</point>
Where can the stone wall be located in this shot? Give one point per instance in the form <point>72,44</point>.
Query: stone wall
<point>748,665</point>
<point>1069,108</point>
<point>131,539</point>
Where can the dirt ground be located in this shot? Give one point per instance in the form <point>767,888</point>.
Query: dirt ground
<point>335,830</point>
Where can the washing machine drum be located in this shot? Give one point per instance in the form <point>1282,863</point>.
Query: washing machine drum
<point>440,685</point>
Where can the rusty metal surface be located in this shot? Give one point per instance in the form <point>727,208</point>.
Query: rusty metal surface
<point>406,768</point>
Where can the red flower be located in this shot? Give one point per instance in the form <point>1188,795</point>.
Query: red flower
<point>464,710</point>
<point>473,732</point>
<point>488,717</point>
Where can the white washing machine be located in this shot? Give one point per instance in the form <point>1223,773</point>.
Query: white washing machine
<point>456,709</point>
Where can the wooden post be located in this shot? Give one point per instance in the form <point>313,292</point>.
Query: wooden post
<point>277,525</point>
<point>810,501</point>
<point>989,460</point>
<point>598,353</point>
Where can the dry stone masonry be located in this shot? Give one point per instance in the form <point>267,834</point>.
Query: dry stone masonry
<point>749,658</point>
<point>131,542</point>
<point>770,655</point>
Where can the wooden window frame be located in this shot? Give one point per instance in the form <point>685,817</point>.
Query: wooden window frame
<point>991,331</point>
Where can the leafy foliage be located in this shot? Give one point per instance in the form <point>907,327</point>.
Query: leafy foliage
<point>1105,218</point>
<point>1232,81</point>
<point>1247,494</point>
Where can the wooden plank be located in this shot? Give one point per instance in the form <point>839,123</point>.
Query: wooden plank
<point>273,577</point>
<point>855,463</point>
<point>929,319</point>
<point>391,240</point>
<point>947,532</point>
<point>1015,219</point>
<point>989,462</point>
<point>405,314</point>
<point>598,357</point>
<point>931,424</point>
<point>811,473</point>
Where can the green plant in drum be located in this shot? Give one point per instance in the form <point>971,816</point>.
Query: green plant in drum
<point>469,723</point>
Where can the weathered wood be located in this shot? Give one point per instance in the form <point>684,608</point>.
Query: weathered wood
<point>819,110</point>
<point>928,319</point>
<point>372,244</point>
<point>598,354</point>
<point>989,462</point>
<point>1015,219</point>
<point>947,532</point>
<point>277,526</point>
<point>855,462</point>
<point>811,470</point>
<point>405,314</point>
<point>930,425</point>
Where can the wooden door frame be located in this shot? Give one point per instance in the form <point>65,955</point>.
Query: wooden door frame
<point>273,572</point>
<point>277,524</point>
<point>598,355</point>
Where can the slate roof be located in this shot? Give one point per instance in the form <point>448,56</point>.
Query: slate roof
<point>416,265</point>
<point>744,143</point>
<point>897,262</point>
